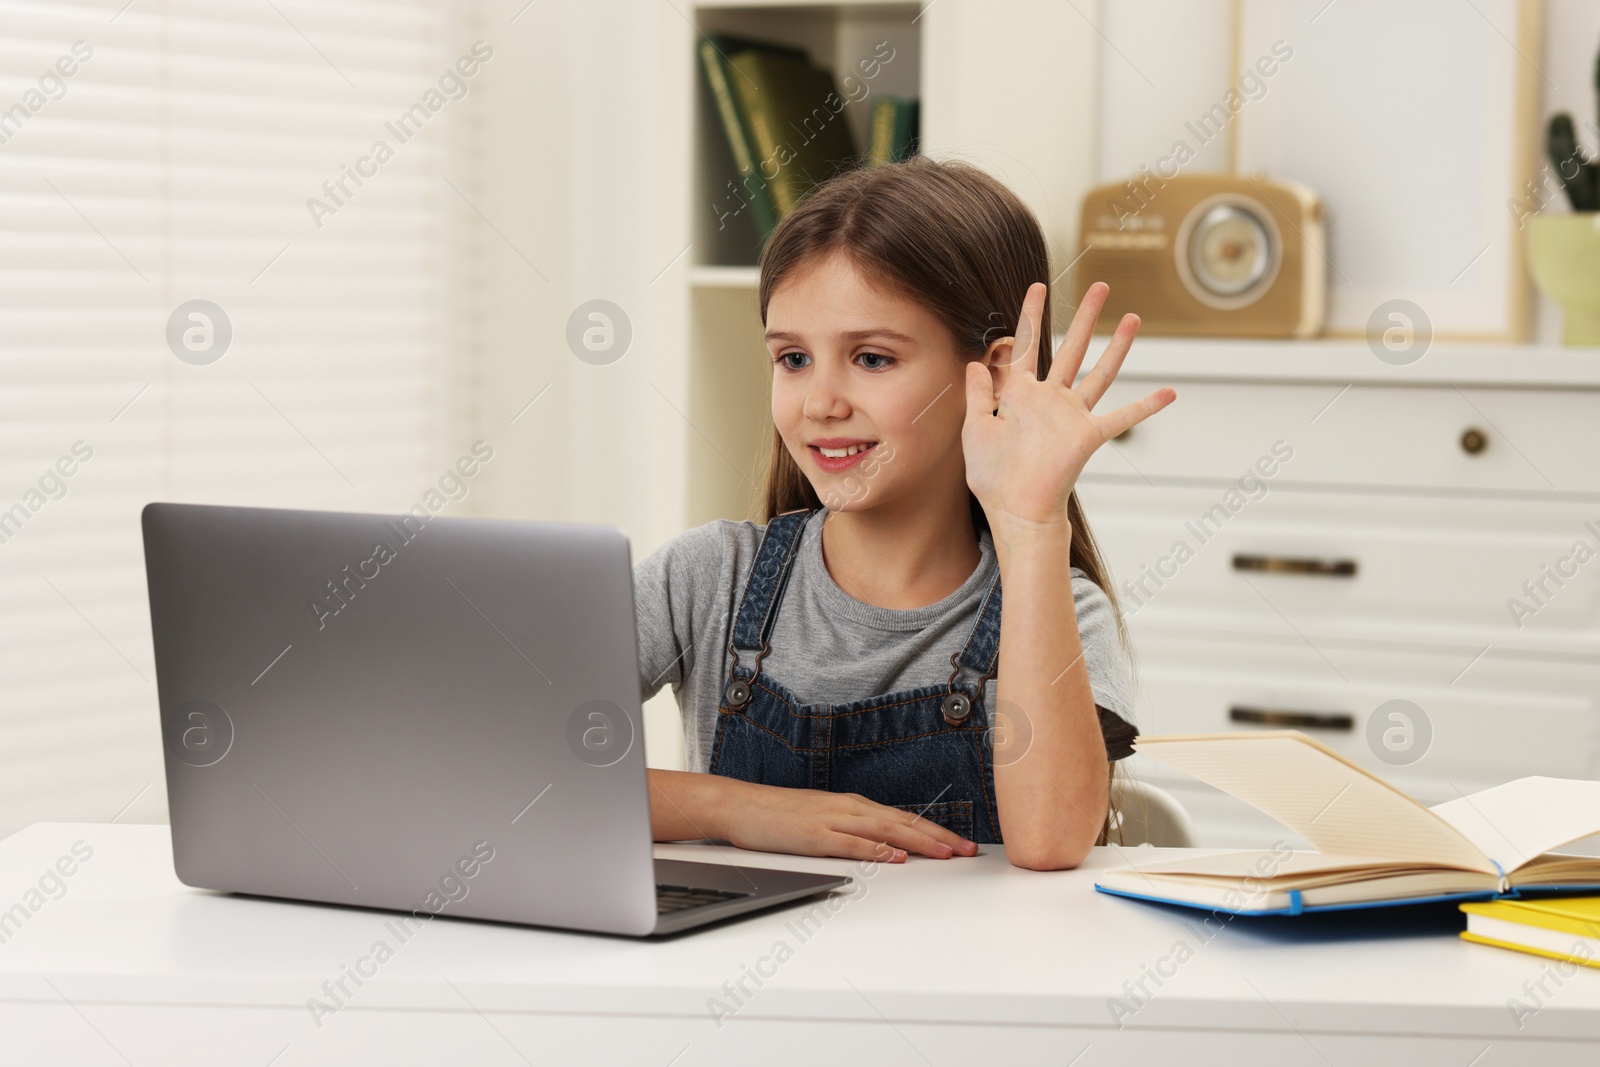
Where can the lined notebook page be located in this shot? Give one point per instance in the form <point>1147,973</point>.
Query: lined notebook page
<point>1519,821</point>
<point>1332,803</point>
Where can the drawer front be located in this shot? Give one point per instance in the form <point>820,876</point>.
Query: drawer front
<point>1472,569</point>
<point>1500,720</point>
<point>1538,440</point>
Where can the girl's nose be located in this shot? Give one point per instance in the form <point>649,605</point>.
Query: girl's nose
<point>824,397</point>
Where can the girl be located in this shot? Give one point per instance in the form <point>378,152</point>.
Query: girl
<point>847,673</point>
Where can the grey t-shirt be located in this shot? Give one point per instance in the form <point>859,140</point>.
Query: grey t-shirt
<point>827,646</point>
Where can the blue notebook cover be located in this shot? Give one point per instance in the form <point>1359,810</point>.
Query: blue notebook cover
<point>1296,907</point>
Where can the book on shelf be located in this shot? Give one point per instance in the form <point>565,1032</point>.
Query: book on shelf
<point>783,119</point>
<point>1374,845</point>
<point>798,135</point>
<point>752,189</point>
<point>1560,928</point>
<point>892,130</point>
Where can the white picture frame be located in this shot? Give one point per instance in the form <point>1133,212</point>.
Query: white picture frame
<point>1418,125</point>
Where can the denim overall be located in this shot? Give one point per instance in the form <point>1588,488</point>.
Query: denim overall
<point>925,750</point>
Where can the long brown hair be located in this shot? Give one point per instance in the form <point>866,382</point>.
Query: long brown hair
<point>955,240</point>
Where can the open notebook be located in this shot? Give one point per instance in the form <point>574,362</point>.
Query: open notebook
<point>1374,845</point>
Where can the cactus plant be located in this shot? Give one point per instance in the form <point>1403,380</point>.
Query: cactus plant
<point>1579,176</point>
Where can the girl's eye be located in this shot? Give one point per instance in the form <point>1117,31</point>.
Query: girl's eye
<point>783,358</point>
<point>875,355</point>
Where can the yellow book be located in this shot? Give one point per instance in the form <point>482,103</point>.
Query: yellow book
<point>1560,928</point>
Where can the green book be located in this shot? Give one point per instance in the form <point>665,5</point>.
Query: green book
<point>892,130</point>
<point>752,189</point>
<point>794,113</point>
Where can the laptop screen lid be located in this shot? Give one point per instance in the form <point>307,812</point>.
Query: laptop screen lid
<point>439,715</point>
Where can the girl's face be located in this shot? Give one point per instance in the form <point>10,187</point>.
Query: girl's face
<point>866,370</point>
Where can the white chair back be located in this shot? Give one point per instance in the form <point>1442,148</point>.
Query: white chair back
<point>1143,814</point>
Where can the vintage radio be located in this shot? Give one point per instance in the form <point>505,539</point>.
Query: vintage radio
<point>1206,255</point>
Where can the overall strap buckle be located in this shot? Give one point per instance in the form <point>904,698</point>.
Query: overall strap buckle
<point>737,693</point>
<point>958,705</point>
<point>980,653</point>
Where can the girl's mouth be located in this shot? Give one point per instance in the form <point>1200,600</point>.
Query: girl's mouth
<point>841,459</point>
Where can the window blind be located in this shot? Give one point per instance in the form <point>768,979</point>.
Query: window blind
<point>156,153</point>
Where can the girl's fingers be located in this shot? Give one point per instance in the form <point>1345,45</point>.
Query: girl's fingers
<point>1133,414</point>
<point>1069,357</point>
<point>906,830</point>
<point>980,391</point>
<point>933,830</point>
<point>896,835</point>
<point>1098,380</point>
<point>848,846</point>
<point>912,841</point>
<point>1025,347</point>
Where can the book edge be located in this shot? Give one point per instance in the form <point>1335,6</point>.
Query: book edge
<point>1467,935</point>
<point>1389,902</point>
<point>1311,742</point>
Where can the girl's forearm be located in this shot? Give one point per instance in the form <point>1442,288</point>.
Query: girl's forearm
<point>685,806</point>
<point>1053,797</point>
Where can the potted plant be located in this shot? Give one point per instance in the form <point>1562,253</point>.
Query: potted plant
<point>1564,250</point>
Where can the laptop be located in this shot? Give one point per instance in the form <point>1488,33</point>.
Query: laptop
<point>430,715</point>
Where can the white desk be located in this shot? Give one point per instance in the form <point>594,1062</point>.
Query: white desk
<point>956,962</point>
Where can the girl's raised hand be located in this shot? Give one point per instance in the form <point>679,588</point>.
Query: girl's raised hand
<point>1027,441</point>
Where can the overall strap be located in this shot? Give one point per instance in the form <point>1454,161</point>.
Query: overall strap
<point>980,656</point>
<point>769,575</point>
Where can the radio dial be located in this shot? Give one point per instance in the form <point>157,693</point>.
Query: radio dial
<point>1230,250</point>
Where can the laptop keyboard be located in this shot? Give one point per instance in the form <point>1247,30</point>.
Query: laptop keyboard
<point>677,897</point>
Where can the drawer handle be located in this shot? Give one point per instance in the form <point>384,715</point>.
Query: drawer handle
<point>1310,720</point>
<point>1474,440</point>
<point>1323,568</point>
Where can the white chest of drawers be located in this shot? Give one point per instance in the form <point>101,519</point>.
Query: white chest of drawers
<point>1404,561</point>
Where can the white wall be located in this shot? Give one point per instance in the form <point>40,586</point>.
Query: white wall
<point>1162,62</point>
<point>570,136</point>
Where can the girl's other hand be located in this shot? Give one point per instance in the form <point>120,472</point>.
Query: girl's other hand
<point>814,822</point>
<point>1023,464</point>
